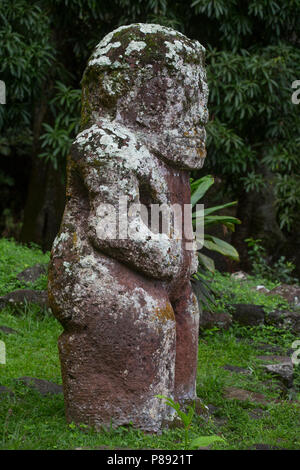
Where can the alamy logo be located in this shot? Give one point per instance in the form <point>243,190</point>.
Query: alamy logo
<point>2,353</point>
<point>158,222</point>
<point>296,94</point>
<point>2,92</point>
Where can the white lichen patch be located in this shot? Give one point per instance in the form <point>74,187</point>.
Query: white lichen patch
<point>107,39</point>
<point>101,61</point>
<point>135,46</point>
<point>175,51</point>
<point>67,267</point>
<point>62,237</point>
<point>132,157</point>
<point>104,50</point>
<point>99,56</point>
<point>148,28</point>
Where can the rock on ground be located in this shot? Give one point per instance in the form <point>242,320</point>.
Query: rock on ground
<point>234,393</point>
<point>239,276</point>
<point>44,387</point>
<point>284,319</point>
<point>209,320</point>
<point>22,296</point>
<point>5,391</point>
<point>32,273</point>
<point>283,368</point>
<point>291,293</point>
<point>8,331</point>
<point>248,315</point>
<point>237,369</point>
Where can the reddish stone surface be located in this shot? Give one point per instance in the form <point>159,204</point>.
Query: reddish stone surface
<point>130,317</point>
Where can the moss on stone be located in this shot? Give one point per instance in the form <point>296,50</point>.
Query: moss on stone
<point>166,313</point>
<point>74,240</point>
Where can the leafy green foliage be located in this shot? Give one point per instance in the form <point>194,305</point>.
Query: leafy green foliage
<point>26,55</point>
<point>65,109</point>
<point>281,270</point>
<point>253,59</point>
<point>205,441</point>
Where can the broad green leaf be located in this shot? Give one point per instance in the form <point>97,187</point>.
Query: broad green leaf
<point>220,219</point>
<point>210,210</point>
<point>184,417</point>
<point>207,262</point>
<point>216,244</point>
<point>230,226</point>
<point>191,413</point>
<point>170,402</point>
<point>200,187</point>
<point>204,441</point>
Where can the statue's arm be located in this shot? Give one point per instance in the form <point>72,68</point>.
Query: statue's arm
<point>132,243</point>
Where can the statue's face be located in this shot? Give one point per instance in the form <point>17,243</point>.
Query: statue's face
<point>169,113</point>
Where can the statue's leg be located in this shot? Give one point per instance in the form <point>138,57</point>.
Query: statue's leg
<point>186,310</point>
<point>124,355</point>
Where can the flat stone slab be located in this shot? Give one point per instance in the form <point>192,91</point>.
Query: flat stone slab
<point>256,413</point>
<point>4,391</point>
<point>44,387</point>
<point>237,369</point>
<point>32,273</point>
<point>291,293</point>
<point>248,314</point>
<point>284,372</point>
<point>284,319</point>
<point>210,320</point>
<point>8,331</point>
<point>282,368</point>
<point>22,296</point>
<point>277,359</point>
<point>233,393</point>
<point>268,348</point>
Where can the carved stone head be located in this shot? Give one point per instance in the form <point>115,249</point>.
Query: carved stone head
<point>151,79</point>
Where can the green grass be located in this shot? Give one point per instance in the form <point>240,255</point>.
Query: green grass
<point>14,258</point>
<point>31,421</point>
<point>280,424</point>
<point>231,291</point>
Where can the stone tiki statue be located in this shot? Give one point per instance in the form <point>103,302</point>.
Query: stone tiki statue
<point>130,317</point>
